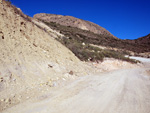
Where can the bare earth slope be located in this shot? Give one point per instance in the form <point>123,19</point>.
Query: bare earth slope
<point>73,22</point>
<point>120,91</point>
<point>30,58</point>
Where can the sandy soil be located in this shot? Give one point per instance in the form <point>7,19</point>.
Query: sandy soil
<point>118,91</point>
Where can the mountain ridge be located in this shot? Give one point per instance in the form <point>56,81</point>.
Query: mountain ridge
<point>73,22</point>
<point>143,39</point>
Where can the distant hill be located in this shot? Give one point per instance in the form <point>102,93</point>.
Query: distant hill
<point>74,22</point>
<point>142,43</point>
<point>91,33</point>
<point>143,40</point>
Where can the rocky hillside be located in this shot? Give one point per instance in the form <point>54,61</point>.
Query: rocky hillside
<point>143,40</point>
<point>31,60</point>
<point>88,45</point>
<point>143,43</point>
<point>74,22</point>
<point>90,33</point>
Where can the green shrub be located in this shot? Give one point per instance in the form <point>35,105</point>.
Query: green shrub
<point>87,52</point>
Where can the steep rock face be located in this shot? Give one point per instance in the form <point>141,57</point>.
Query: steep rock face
<point>29,57</point>
<point>73,22</point>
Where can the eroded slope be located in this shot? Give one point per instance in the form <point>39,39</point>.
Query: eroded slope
<point>30,58</point>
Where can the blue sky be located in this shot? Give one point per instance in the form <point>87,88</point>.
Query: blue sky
<point>126,19</point>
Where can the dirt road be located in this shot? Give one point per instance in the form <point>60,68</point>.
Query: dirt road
<point>119,91</point>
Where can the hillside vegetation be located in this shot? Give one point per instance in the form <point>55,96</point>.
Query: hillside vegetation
<point>79,42</point>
